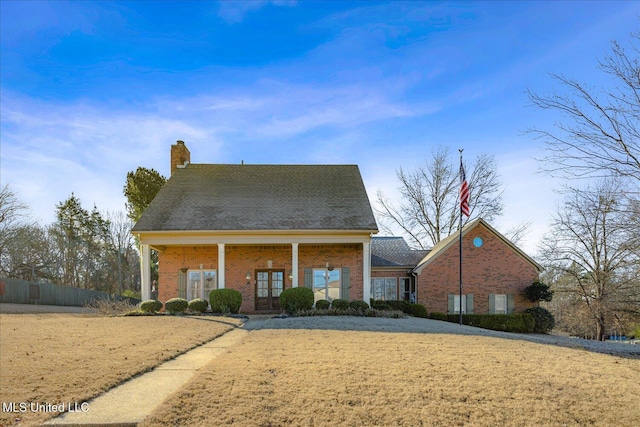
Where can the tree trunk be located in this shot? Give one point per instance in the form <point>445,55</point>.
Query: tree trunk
<point>600,327</point>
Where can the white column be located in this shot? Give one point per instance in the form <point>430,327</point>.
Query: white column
<point>294,265</point>
<point>145,272</point>
<point>220,265</point>
<point>366,272</point>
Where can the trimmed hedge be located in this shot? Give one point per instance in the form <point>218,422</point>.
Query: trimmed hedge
<point>544,321</point>
<point>340,304</point>
<point>198,305</point>
<point>150,306</point>
<point>293,300</point>
<point>436,315</point>
<point>359,305</point>
<point>225,301</point>
<point>417,310</point>
<point>176,305</point>
<point>322,304</point>
<point>521,323</point>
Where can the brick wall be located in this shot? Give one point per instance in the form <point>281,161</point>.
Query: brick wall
<point>493,268</point>
<point>241,259</point>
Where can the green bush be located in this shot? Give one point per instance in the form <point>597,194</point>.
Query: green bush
<point>359,305</point>
<point>544,321</point>
<point>198,305</point>
<point>417,310</point>
<point>521,323</point>
<point>176,305</point>
<point>150,306</point>
<point>340,304</point>
<point>538,292</point>
<point>293,300</point>
<point>225,301</point>
<point>322,304</point>
<point>436,315</point>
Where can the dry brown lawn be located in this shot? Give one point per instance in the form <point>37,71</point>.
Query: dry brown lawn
<point>58,358</point>
<point>328,378</point>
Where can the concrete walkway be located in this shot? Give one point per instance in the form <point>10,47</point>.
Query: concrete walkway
<point>131,402</point>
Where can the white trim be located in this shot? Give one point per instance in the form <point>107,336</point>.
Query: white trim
<point>162,238</point>
<point>220,265</point>
<point>294,264</point>
<point>366,271</point>
<point>145,272</point>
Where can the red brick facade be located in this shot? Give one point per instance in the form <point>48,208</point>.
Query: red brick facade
<point>493,268</point>
<point>243,259</point>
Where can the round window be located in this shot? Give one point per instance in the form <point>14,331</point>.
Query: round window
<point>478,242</point>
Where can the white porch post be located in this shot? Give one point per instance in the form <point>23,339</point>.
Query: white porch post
<point>294,265</point>
<point>220,265</point>
<point>145,272</point>
<point>366,272</point>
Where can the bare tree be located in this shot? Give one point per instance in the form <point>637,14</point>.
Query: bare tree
<point>596,254</point>
<point>429,209</point>
<point>122,246</point>
<point>600,135</point>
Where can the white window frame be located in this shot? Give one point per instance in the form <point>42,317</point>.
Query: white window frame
<point>387,283</point>
<point>202,287</point>
<point>456,304</point>
<point>500,300</point>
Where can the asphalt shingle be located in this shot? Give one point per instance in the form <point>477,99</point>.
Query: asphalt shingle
<point>207,197</point>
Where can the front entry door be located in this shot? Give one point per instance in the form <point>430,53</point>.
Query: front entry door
<point>269,285</point>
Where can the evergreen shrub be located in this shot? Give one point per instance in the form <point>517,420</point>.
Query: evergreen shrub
<point>293,300</point>
<point>359,305</point>
<point>436,315</point>
<point>322,304</point>
<point>176,305</point>
<point>544,320</point>
<point>225,301</point>
<point>417,310</point>
<point>521,323</point>
<point>150,306</point>
<point>340,304</point>
<point>198,305</point>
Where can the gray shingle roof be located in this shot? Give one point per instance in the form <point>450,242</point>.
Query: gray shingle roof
<point>394,252</point>
<point>207,197</point>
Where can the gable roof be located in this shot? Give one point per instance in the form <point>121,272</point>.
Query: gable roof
<point>445,244</point>
<point>394,252</point>
<point>209,197</point>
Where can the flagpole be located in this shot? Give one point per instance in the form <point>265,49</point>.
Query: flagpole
<point>460,227</point>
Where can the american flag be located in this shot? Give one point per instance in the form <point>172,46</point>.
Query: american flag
<point>464,192</point>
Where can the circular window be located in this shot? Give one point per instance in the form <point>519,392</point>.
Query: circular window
<point>478,242</point>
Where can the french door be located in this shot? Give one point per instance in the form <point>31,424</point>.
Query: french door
<point>269,286</point>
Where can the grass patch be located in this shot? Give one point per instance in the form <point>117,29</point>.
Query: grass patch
<point>348,378</point>
<point>55,358</point>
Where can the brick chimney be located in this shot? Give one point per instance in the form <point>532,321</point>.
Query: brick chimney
<point>180,156</point>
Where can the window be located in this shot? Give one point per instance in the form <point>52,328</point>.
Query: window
<point>456,304</point>
<point>326,284</point>
<point>453,304</point>
<point>200,283</point>
<point>384,288</point>
<point>500,304</point>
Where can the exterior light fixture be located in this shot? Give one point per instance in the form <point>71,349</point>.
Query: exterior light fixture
<point>248,277</point>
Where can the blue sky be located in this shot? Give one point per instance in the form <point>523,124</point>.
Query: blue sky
<point>92,90</point>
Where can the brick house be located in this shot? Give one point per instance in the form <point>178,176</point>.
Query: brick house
<point>258,229</point>
<point>495,272</point>
<point>261,229</point>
